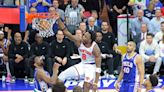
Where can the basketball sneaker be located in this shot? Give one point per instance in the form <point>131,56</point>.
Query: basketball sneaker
<point>13,79</point>
<point>8,78</point>
<point>26,79</point>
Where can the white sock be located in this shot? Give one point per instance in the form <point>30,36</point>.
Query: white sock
<point>7,68</point>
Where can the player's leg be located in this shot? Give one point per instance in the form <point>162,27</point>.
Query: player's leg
<point>132,87</point>
<point>89,71</point>
<point>75,71</point>
<point>123,87</point>
<point>157,65</point>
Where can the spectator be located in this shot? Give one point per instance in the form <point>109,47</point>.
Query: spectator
<point>60,51</point>
<point>90,5</point>
<point>73,14</point>
<point>60,11</point>
<point>91,25</point>
<point>40,5</point>
<point>150,11</point>
<point>83,27</point>
<point>142,36</point>
<point>18,53</point>
<point>40,48</point>
<point>63,4</point>
<point>119,7</point>
<point>97,21</point>
<point>107,60</point>
<point>74,49</point>
<point>158,35</point>
<point>109,38</point>
<point>157,3</point>
<point>4,46</point>
<point>30,31</point>
<point>149,50</point>
<point>136,23</point>
<point>161,46</point>
<point>8,2</point>
<point>77,89</point>
<point>156,21</point>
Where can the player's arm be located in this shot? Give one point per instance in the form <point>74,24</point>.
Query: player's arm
<point>97,54</point>
<point>73,38</point>
<point>120,77</point>
<point>50,80</point>
<point>141,69</point>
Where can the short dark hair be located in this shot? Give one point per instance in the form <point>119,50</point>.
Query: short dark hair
<point>153,80</point>
<point>59,87</point>
<point>93,35</point>
<point>162,22</point>
<point>150,34</point>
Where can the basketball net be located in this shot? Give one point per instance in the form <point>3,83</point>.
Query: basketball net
<point>43,22</point>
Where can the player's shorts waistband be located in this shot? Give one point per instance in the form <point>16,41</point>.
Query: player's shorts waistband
<point>90,63</point>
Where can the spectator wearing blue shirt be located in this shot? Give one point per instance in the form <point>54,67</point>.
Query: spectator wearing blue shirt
<point>136,23</point>
<point>40,5</point>
<point>158,3</point>
<point>156,22</point>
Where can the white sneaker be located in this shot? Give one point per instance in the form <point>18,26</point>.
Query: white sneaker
<point>103,76</point>
<point>111,76</point>
<point>147,76</point>
<point>13,79</point>
<point>31,81</point>
<point>3,78</point>
<point>26,79</point>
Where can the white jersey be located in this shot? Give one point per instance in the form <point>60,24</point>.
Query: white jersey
<point>86,54</point>
<point>161,46</point>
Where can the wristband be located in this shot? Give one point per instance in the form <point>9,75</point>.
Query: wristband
<point>98,70</point>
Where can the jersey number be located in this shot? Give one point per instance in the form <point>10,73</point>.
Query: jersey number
<point>84,56</point>
<point>126,70</point>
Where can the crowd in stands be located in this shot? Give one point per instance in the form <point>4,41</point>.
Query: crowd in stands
<point>43,38</point>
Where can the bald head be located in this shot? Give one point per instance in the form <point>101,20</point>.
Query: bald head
<point>140,13</point>
<point>17,38</point>
<point>33,10</point>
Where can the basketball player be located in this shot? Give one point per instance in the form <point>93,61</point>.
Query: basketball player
<point>4,46</point>
<point>150,82</point>
<point>90,59</point>
<point>42,77</point>
<point>132,72</point>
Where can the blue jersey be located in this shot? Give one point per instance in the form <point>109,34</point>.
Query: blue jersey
<point>151,90</point>
<point>130,69</point>
<point>40,84</point>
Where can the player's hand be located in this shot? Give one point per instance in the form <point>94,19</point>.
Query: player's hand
<point>139,90</point>
<point>116,85</point>
<point>56,66</point>
<point>1,44</point>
